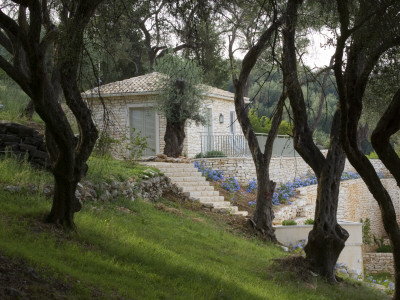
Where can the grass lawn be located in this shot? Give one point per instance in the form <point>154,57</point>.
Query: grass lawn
<point>141,250</point>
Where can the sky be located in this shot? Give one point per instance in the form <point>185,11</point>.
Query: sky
<point>318,54</point>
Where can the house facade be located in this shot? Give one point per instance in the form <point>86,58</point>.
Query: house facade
<point>130,105</point>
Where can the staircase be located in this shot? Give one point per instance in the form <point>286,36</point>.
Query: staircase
<point>194,186</point>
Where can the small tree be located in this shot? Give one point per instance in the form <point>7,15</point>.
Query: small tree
<point>180,99</point>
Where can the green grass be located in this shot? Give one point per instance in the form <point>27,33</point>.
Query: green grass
<point>151,253</point>
<point>13,172</point>
<point>14,101</point>
<point>105,168</point>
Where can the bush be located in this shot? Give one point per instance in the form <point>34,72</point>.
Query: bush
<point>252,186</point>
<point>230,184</point>
<point>309,222</point>
<point>289,222</point>
<point>210,174</point>
<point>382,247</point>
<point>209,154</point>
<point>366,231</point>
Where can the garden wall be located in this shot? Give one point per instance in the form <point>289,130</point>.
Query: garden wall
<point>355,203</point>
<point>282,169</point>
<point>378,263</point>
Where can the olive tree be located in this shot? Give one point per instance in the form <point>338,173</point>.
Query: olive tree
<point>180,99</point>
<point>44,43</point>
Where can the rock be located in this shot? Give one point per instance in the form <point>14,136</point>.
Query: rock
<point>115,185</point>
<point>33,189</point>
<point>105,196</point>
<point>114,194</point>
<point>163,156</point>
<point>12,189</point>
<point>48,190</point>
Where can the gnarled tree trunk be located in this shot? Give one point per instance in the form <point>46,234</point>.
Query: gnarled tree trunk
<point>174,137</point>
<point>44,80</point>
<point>326,240</point>
<point>263,215</point>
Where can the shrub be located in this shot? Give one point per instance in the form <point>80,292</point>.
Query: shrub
<point>252,186</point>
<point>382,247</point>
<point>135,146</point>
<point>212,153</point>
<point>366,231</point>
<point>289,222</point>
<point>309,222</point>
<point>230,184</point>
<point>210,174</point>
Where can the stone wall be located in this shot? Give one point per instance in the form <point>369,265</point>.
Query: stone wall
<point>114,118</point>
<point>282,169</point>
<point>24,141</point>
<point>378,263</point>
<point>118,122</point>
<point>355,203</point>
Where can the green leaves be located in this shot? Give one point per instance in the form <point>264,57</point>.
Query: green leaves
<point>182,92</point>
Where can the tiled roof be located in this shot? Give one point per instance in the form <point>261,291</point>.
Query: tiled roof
<point>148,83</point>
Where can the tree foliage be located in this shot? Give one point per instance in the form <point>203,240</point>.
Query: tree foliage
<point>182,93</point>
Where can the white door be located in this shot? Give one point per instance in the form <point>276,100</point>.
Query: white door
<point>144,121</point>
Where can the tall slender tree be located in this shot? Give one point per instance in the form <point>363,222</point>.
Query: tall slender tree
<point>263,215</point>
<point>327,238</point>
<point>368,29</point>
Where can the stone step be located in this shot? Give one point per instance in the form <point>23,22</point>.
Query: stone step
<point>186,179</point>
<point>180,169</point>
<point>191,182</point>
<point>195,194</point>
<point>216,204</point>
<point>243,213</point>
<point>229,209</point>
<point>194,188</point>
<point>188,184</point>
<point>183,174</point>
<point>207,199</point>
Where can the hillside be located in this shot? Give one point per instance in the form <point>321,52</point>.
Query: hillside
<point>139,250</point>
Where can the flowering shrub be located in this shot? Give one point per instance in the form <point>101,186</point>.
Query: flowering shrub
<point>252,186</point>
<point>298,248</point>
<point>252,203</point>
<point>210,174</point>
<point>230,184</point>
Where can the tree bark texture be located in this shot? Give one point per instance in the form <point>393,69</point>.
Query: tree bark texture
<point>362,55</point>
<point>327,238</point>
<point>45,80</point>
<point>263,215</point>
<point>174,137</point>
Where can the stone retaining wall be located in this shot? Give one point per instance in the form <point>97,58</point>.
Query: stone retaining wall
<point>24,141</point>
<point>150,189</point>
<point>355,203</point>
<point>378,263</point>
<point>282,169</point>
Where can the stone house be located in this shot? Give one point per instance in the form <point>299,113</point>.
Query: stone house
<point>131,103</point>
